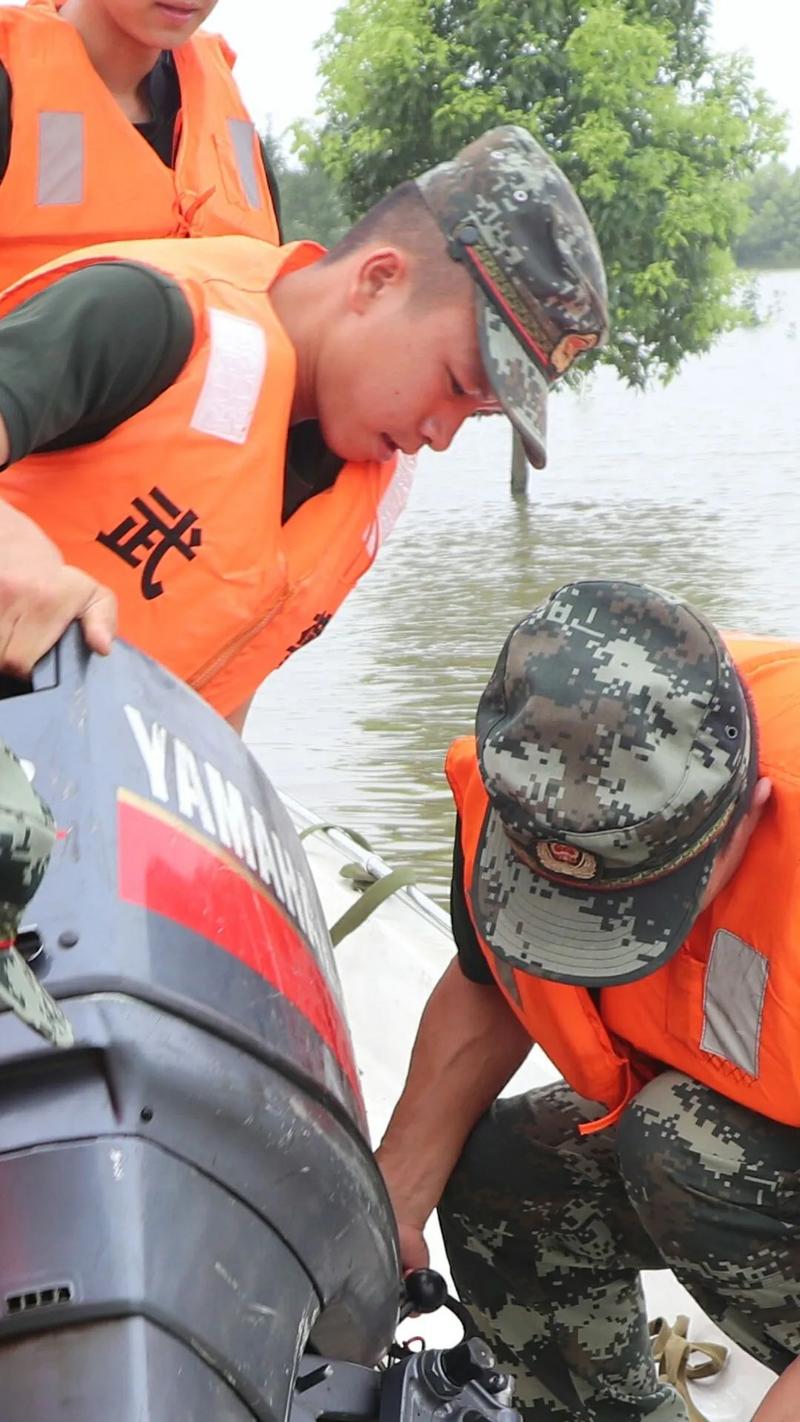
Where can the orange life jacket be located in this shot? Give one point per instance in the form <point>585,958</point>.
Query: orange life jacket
<point>79,173</point>
<point>179,508</point>
<point>726,1008</point>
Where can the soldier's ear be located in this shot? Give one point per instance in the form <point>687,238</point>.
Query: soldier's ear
<point>382,274</point>
<point>730,858</point>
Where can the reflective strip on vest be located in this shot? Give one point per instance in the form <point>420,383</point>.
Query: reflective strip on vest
<point>242,131</point>
<point>733,1002</point>
<point>395,495</point>
<point>61,168</point>
<point>237,361</point>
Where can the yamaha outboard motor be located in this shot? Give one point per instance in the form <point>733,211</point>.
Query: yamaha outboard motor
<point>192,1226</point>
<point>187,1196</point>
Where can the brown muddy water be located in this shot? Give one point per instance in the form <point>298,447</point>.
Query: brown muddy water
<point>695,487</point>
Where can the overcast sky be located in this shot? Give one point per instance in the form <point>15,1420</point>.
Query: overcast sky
<point>277,62</point>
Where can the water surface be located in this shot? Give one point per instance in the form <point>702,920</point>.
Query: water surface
<point>694,487</point>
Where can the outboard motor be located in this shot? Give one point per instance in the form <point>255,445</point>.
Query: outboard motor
<point>187,1195</point>
<point>192,1226</point>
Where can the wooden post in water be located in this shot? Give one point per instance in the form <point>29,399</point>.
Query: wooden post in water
<point>519,466</point>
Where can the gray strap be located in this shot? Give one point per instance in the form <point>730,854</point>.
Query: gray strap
<point>242,135</point>
<point>60,160</point>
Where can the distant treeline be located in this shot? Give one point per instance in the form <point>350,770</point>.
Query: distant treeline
<point>772,237</point>
<point>310,206</point>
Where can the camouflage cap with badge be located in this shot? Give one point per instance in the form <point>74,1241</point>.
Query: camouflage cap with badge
<point>27,835</point>
<point>614,742</point>
<point>510,215</point>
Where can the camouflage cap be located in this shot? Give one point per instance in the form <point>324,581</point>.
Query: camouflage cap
<point>614,741</point>
<point>27,835</point>
<point>510,215</point>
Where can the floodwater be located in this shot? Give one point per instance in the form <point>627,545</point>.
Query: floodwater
<point>694,487</point>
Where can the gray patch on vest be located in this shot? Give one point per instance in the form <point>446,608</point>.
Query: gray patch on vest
<point>61,160</point>
<point>394,500</point>
<point>237,360</point>
<point>733,1001</point>
<point>242,131</point>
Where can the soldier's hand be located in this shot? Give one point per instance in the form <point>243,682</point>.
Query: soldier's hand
<point>40,595</point>
<point>413,1249</point>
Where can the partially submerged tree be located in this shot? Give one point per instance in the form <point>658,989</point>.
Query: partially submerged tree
<point>656,133</point>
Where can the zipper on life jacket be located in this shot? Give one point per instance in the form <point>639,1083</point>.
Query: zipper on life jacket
<point>204,675</point>
<point>209,670</point>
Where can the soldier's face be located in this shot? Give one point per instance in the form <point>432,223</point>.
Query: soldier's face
<point>398,375</point>
<point>157,24</point>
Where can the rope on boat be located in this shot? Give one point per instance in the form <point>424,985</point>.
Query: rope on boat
<point>344,829</point>
<point>374,890</point>
<point>672,1351</point>
<point>378,892</point>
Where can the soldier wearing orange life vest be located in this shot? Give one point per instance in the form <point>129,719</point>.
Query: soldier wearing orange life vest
<point>215,447</point>
<point>625,894</point>
<point>117,121</point>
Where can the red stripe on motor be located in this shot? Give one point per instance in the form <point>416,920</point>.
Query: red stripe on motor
<point>167,868</point>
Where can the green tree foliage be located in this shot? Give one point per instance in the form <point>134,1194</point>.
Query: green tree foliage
<point>309,201</point>
<point>772,236</point>
<point>656,133</point>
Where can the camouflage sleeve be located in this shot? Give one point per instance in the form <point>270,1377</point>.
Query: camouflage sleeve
<point>470,958</point>
<point>27,834</point>
<point>66,378</point>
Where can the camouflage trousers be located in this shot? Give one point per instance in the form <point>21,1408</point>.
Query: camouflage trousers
<point>546,1232</point>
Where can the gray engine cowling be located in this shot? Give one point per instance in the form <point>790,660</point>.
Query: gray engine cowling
<point>187,1192</point>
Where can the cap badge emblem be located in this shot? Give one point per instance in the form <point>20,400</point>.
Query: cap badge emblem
<point>569,347</point>
<point>566,859</point>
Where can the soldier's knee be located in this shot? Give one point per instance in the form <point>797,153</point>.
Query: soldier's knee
<point>495,1154</point>
<point>654,1136</point>
<point>493,1167</point>
<point>473,1170</point>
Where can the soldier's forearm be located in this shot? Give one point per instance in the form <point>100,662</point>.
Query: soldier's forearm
<point>782,1402</point>
<point>237,718</point>
<point>468,1046</point>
